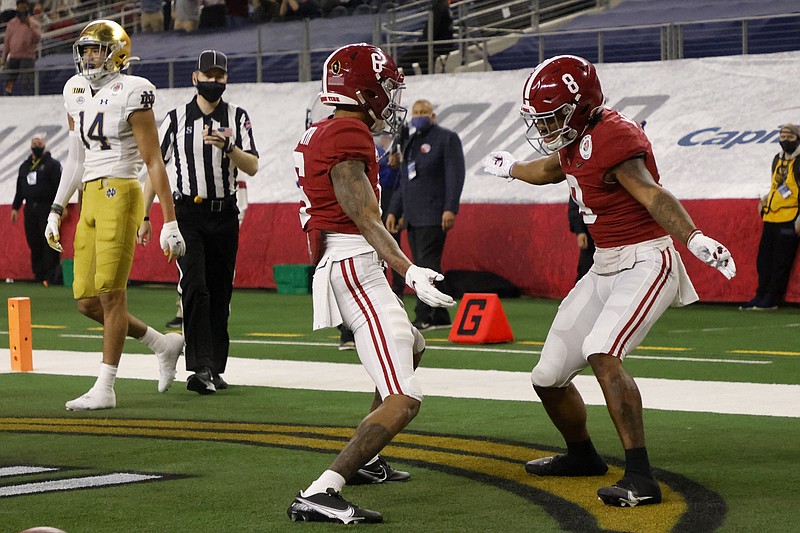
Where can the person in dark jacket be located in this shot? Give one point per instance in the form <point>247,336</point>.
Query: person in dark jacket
<point>431,180</point>
<point>37,184</point>
<point>584,238</point>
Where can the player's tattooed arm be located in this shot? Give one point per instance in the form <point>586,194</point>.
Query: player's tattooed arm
<point>357,199</point>
<point>660,203</point>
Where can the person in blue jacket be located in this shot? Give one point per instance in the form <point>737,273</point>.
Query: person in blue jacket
<point>431,180</point>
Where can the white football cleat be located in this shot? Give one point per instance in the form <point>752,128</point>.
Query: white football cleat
<point>168,360</point>
<point>94,399</point>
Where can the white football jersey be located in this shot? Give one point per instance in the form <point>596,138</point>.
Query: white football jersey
<point>101,120</point>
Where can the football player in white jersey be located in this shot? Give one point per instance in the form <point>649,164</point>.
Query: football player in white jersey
<point>112,133</point>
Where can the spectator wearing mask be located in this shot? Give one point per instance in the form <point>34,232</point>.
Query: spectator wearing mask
<point>37,183</point>
<point>431,180</point>
<point>779,236</point>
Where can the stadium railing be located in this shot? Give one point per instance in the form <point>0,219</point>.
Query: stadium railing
<point>516,49</point>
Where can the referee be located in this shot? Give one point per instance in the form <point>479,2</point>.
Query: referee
<point>205,144</point>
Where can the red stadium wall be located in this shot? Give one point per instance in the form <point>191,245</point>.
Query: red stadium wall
<point>530,245</point>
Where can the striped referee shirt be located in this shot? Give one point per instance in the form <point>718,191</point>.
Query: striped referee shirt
<point>197,169</point>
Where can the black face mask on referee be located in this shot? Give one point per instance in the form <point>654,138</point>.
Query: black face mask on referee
<point>210,90</point>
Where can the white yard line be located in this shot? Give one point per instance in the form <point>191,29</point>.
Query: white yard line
<point>470,348</point>
<point>663,394</point>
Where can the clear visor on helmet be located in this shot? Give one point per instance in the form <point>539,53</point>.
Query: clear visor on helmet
<point>90,58</point>
<point>548,132</point>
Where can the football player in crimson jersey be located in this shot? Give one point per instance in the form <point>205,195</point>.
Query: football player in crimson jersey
<point>608,164</point>
<point>337,170</point>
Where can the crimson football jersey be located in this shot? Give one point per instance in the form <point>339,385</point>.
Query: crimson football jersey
<point>324,145</point>
<point>614,217</point>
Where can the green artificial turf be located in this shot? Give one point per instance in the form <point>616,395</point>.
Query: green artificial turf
<point>748,463</point>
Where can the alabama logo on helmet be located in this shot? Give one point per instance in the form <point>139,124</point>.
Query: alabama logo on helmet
<point>363,76</point>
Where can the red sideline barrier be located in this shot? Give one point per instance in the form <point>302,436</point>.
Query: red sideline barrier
<point>528,244</point>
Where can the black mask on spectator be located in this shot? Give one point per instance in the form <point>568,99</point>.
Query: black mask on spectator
<point>210,90</point>
<point>37,151</point>
<point>23,14</point>
<point>790,146</point>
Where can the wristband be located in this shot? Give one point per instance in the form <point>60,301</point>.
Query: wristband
<point>692,234</point>
<point>57,209</point>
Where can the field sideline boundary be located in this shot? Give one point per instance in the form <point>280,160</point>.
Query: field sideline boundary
<point>662,394</point>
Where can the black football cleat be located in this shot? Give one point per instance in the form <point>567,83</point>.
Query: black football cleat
<point>219,383</point>
<point>378,471</point>
<point>175,323</point>
<point>630,492</point>
<point>329,506</point>
<point>567,466</point>
<point>201,382</point>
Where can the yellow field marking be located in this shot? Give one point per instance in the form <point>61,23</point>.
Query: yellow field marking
<point>664,348</point>
<point>96,328</point>
<point>44,326</point>
<point>274,335</point>
<point>658,348</point>
<point>478,455</point>
<point>762,352</point>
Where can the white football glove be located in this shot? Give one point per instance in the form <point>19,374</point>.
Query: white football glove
<point>499,164</point>
<point>712,253</point>
<point>421,280</point>
<point>52,232</point>
<point>172,241</point>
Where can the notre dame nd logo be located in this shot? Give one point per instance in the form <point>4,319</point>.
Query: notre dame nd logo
<point>148,99</point>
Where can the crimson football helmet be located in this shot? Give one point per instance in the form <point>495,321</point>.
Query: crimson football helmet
<point>363,76</point>
<point>559,97</point>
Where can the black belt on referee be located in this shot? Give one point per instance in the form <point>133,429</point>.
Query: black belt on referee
<point>204,204</point>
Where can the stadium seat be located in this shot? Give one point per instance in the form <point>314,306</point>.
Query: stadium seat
<point>337,11</point>
<point>363,9</point>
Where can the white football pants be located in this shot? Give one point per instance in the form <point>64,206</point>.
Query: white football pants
<point>384,337</point>
<point>607,314</point>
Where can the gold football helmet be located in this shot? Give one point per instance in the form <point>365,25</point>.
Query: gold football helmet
<point>114,49</point>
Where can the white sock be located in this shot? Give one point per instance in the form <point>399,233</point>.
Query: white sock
<point>153,340</point>
<point>328,479</point>
<point>106,378</point>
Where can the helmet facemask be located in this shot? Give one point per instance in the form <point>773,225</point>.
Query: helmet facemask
<point>99,68</point>
<point>113,50</point>
<point>393,114</point>
<point>558,101</point>
<point>549,131</point>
